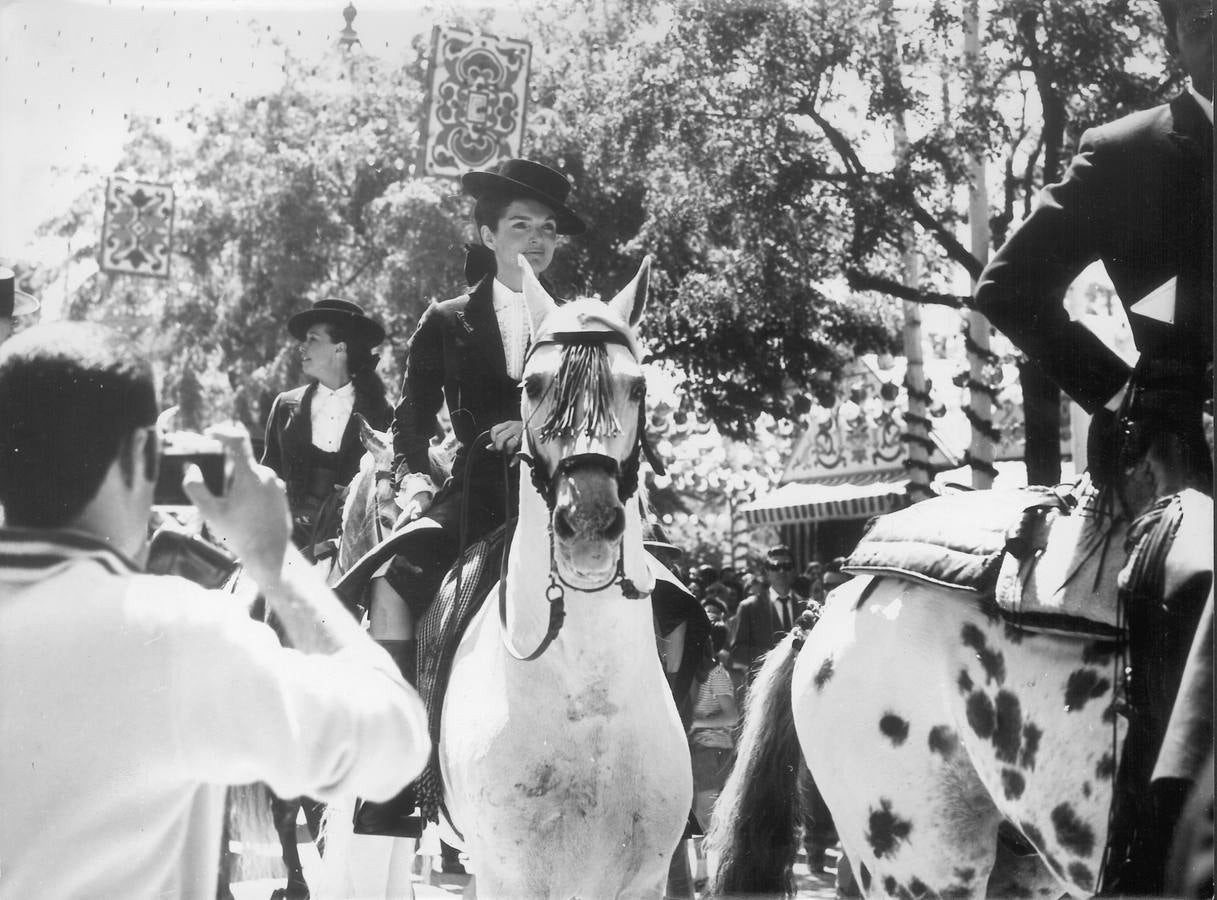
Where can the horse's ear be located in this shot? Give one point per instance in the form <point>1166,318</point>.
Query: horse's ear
<point>536,298</point>
<point>633,297</point>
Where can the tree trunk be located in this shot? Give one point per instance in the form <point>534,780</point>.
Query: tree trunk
<point>1042,398</point>
<point>916,422</point>
<point>982,451</point>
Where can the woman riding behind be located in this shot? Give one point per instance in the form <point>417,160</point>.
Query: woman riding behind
<point>313,433</point>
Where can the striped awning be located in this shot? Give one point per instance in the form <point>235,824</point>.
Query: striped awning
<point>822,502</point>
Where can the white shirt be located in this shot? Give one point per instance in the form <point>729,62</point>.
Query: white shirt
<point>129,701</point>
<point>515,326</point>
<point>782,606</point>
<point>330,412</point>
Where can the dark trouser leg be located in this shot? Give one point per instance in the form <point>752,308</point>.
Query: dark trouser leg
<point>818,831</point>
<point>450,860</point>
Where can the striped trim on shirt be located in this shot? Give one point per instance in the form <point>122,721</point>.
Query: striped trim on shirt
<point>28,555</point>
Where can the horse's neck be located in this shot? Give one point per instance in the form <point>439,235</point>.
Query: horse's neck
<point>596,622</point>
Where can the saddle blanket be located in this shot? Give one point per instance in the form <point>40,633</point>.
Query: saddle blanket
<point>439,636</point>
<point>1044,563</point>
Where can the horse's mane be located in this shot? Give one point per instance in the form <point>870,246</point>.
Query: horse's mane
<point>583,373</point>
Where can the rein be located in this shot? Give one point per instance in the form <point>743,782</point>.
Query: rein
<point>545,482</point>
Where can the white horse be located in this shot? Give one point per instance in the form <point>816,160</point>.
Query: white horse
<point>928,720</point>
<point>566,769</point>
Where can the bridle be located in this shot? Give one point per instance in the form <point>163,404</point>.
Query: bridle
<point>626,475</point>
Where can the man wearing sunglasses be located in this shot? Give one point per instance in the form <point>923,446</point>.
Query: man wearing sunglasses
<point>765,617</point>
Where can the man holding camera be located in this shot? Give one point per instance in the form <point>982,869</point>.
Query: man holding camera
<point>131,700</point>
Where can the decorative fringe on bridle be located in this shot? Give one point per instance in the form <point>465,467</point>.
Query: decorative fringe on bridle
<point>584,374</point>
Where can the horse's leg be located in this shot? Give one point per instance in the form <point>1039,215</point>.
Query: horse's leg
<point>285,813</point>
<point>909,818</point>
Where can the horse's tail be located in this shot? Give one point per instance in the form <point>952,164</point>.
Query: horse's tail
<point>752,842</point>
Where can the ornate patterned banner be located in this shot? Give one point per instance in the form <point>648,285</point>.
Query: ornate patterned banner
<point>137,234</point>
<point>478,97</point>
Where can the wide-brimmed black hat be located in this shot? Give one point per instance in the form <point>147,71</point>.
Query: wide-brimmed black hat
<point>340,312</point>
<point>12,301</point>
<point>528,179</point>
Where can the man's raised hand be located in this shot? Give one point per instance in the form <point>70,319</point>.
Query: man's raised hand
<point>252,514</point>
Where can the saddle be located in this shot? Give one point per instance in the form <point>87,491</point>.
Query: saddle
<point>1038,557</point>
<point>462,593</point>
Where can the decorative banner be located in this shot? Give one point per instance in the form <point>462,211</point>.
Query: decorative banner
<point>478,87</point>
<point>137,234</point>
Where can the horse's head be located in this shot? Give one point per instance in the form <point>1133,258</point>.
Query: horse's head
<point>582,409</point>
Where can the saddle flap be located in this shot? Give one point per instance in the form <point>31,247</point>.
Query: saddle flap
<point>1070,585</point>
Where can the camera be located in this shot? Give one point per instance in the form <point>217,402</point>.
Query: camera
<point>178,450</point>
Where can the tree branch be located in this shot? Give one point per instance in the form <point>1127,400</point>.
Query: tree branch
<point>864,281</point>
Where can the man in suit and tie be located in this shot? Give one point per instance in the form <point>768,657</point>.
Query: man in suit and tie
<point>764,618</point>
<point>1139,197</point>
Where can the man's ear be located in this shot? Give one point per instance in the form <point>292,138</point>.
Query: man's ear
<point>487,236</point>
<point>141,447</point>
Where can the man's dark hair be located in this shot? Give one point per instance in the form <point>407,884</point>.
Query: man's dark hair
<point>71,394</point>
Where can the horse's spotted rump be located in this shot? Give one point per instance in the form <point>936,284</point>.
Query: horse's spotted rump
<point>966,874</point>
<point>1084,685</point>
<point>887,829</point>
<point>1013,783</point>
<point>1086,789</point>
<point>823,674</point>
<point>1081,875</point>
<point>965,682</point>
<point>1031,746</point>
<point>943,741</point>
<point>1031,833</point>
<point>1105,768</point>
<point>1099,652</point>
<point>1072,833</point>
<point>1009,723</point>
<point>981,715</point>
<point>894,728</point>
<point>991,661</point>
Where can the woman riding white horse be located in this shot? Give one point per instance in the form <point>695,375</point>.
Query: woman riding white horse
<point>565,765</point>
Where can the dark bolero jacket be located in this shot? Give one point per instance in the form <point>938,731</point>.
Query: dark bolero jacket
<point>455,353</point>
<point>1138,196</point>
<point>289,438</point>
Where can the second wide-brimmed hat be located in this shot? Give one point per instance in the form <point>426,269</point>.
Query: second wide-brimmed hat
<point>529,179</point>
<point>12,301</point>
<point>340,312</point>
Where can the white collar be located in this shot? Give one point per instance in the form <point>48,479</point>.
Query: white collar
<point>347,390</point>
<point>505,296</point>
<point>1205,103</point>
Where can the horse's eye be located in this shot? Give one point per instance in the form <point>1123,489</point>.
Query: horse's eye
<point>533,387</point>
<point>637,392</point>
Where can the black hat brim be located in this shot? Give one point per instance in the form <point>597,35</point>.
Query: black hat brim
<point>479,183</point>
<point>359,327</point>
